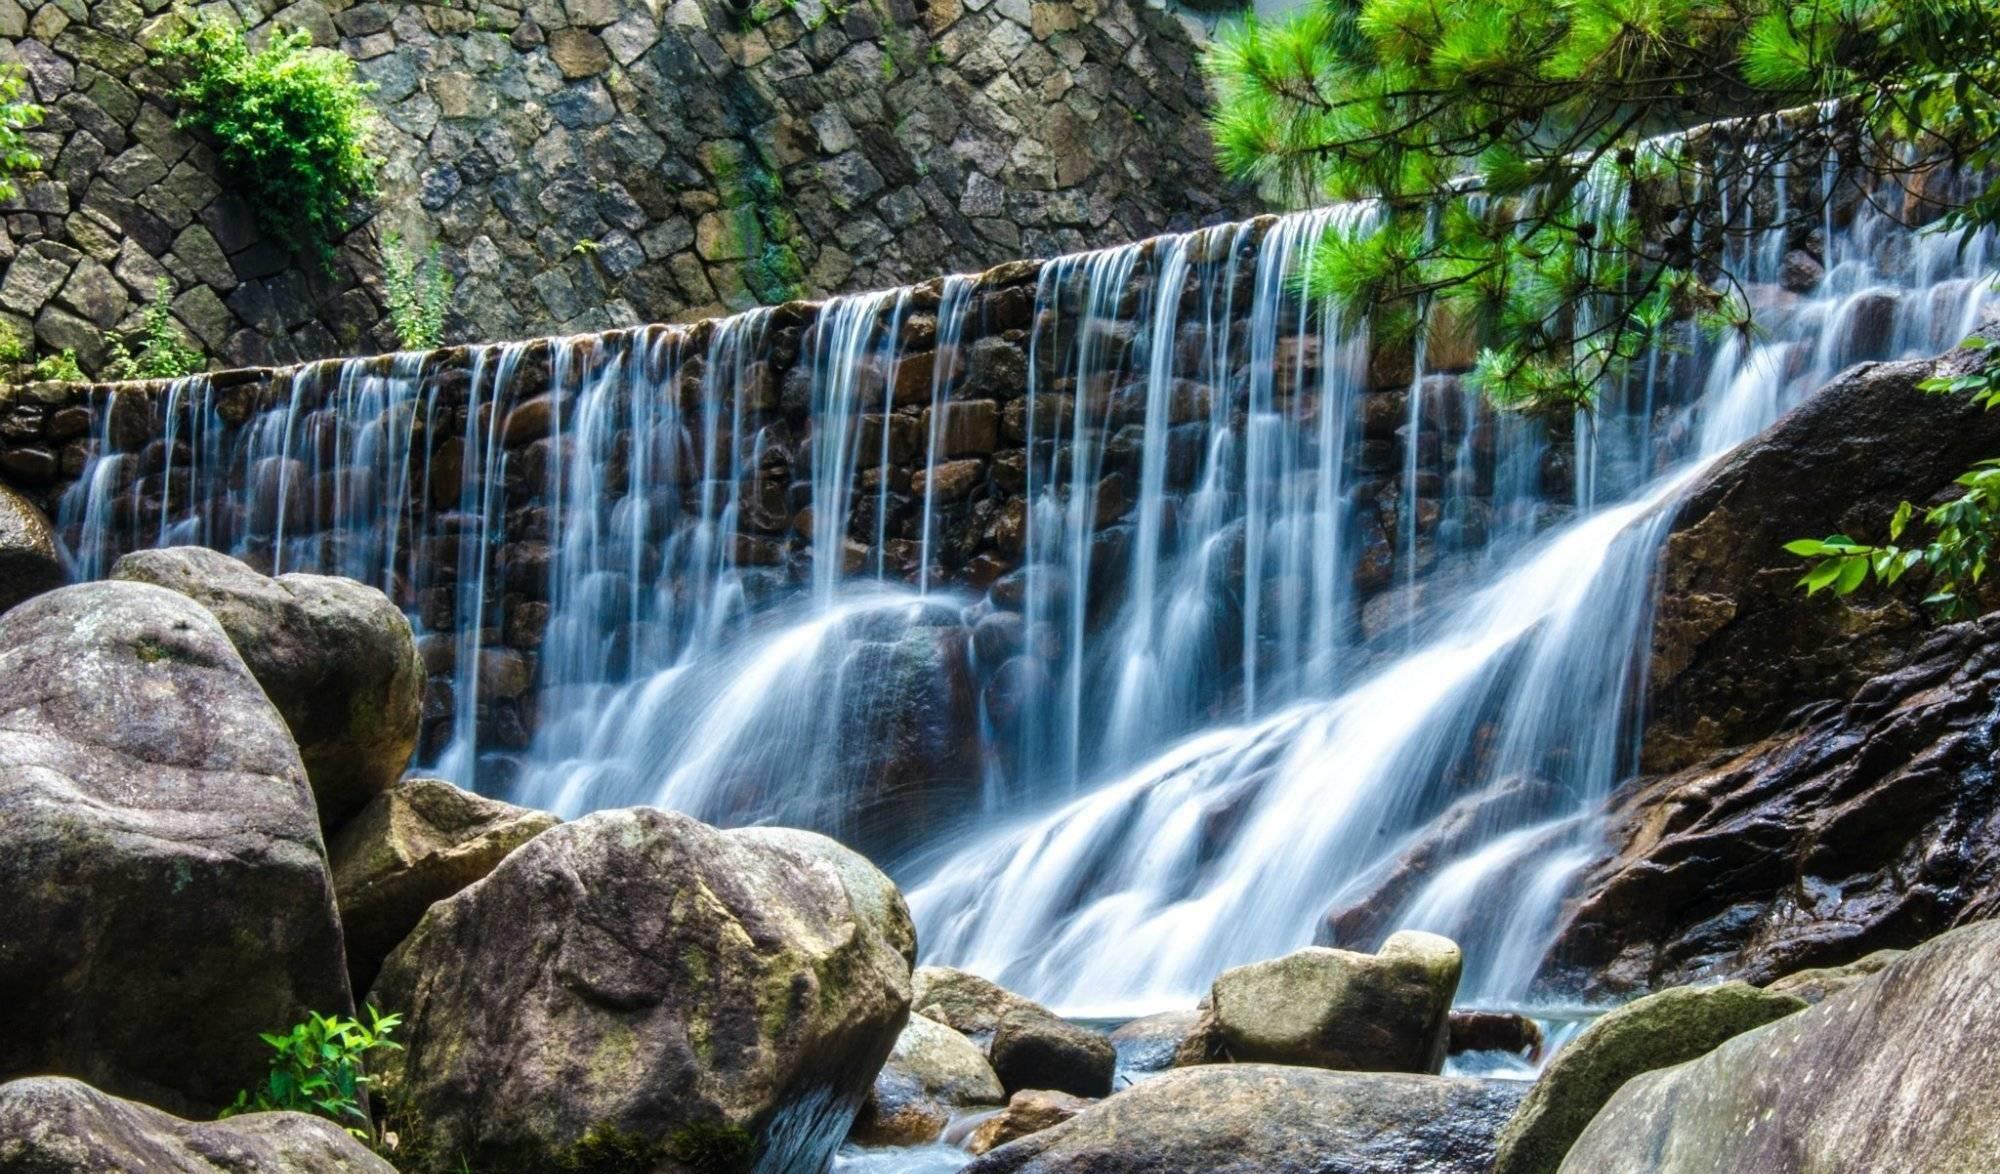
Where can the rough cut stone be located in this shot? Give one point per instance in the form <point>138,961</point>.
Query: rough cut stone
<point>1658,1031</point>
<point>415,844</point>
<point>1382,1012</point>
<point>1898,1072</point>
<point>53,1125</point>
<point>335,656</point>
<point>698,996</point>
<point>159,851</point>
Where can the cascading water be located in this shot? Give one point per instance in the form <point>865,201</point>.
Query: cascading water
<point>1239,622</point>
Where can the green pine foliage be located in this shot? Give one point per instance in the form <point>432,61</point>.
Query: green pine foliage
<point>319,1067</point>
<point>1501,138</point>
<point>419,292</point>
<point>291,126</point>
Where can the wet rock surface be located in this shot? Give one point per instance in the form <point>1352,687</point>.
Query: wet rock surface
<point>1272,1119</point>
<point>1381,1012</point>
<point>1867,825</point>
<point>1032,1049</point>
<point>702,999</point>
<point>1895,1072</point>
<point>336,657</point>
<point>1028,1111</point>
<point>932,1074</point>
<point>159,850</point>
<point>1149,1044</point>
<point>52,1125</point>
<point>1658,1031</point>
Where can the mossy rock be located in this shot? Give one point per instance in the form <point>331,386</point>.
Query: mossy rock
<point>1658,1031</point>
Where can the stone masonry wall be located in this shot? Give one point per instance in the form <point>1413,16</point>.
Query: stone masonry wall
<point>591,164</point>
<point>49,432</point>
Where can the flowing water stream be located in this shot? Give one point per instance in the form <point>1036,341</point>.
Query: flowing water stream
<point>1271,619</point>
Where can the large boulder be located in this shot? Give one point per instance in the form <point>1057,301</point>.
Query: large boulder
<point>30,560</point>
<point>412,846</point>
<point>1658,1031</point>
<point>642,984</point>
<point>335,656</point>
<point>1382,1012</point>
<point>53,1125</point>
<point>1029,1045</point>
<point>1737,647</point>
<point>1818,985</point>
<point>933,1074</point>
<point>1272,1119</point>
<point>167,895</point>
<point>1869,825</point>
<point>1897,1072</point>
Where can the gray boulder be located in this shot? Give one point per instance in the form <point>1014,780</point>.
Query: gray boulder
<point>1657,1031</point>
<point>1897,1072</point>
<point>964,1002</point>
<point>1148,1044</point>
<point>640,984</point>
<point>336,657</point>
<point>167,892</point>
<point>412,846</point>
<point>1033,1049</point>
<point>1272,1119</point>
<point>30,560</point>
<point>1383,1012</point>
<point>933,1074</point>
<point>53,1125</point>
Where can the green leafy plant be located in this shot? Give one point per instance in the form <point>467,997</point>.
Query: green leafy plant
<point>58,368</point>
<point>1523,186</point>
<point>419,292</point>
<point>164,351</point>
<point>16,115</point>
<point>16,353</point>
<point>291,126</point>
<point>319,1066</point>
<point>1962,530</point>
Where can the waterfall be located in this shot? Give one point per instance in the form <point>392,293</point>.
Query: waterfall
<point>1131,609</point>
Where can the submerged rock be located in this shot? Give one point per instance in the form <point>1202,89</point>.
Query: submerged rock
<point>1272,1119</point>
<point>1658,1031</point>
<point>413,845</point>
<point>30,561</point>
<point>1149,1044</point>
<point>640,983</point>
<point>933,1073</point>
<point>1495,1031</point>
<point>52,1125</point>
<point>1817,986</point>
<point>167,895</point>
<point>336,657</point>
<point>1900,1071</point>
<point>1382,1012</point>
<point>1029,1111</point>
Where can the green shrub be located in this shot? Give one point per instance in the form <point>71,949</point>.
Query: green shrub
<point>291,126</point>
<point>319,1068</point>
<point>164,352</point>
<point>16,115</point>
<point>60,368</point>
<point>18,364</point>
<point>419,294</point>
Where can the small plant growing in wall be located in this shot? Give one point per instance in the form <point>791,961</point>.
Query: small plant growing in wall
<point>164,352</point>
<point>319,1067</point>
<point>16,115</point>
<point>419,291</point>
<point>291,126</point>
<point>18,365</point>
